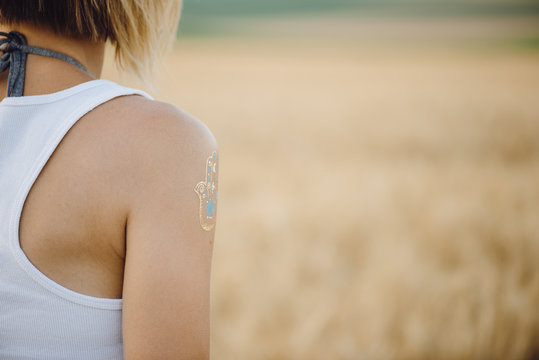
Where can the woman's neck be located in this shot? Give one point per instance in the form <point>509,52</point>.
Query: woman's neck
<point>47,75</point>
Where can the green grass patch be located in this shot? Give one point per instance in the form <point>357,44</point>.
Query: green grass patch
<point>388,7</point>
<point>529,43</point>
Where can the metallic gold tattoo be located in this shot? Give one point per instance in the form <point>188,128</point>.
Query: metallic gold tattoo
<point>207,193</point>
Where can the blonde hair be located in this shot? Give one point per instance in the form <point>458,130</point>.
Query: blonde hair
<point>140,30</point>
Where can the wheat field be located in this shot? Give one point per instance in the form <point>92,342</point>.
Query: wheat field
<point>379,198</point>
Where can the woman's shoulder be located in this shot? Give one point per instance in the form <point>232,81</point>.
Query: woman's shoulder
<point>138,138</point>
<point>152,121</point>
<point>142,126</point>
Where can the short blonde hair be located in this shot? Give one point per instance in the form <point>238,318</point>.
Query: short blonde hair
<point>140,30</point>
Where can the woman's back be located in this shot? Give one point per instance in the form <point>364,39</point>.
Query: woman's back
<point>104,243</point>
<point>62,290</point>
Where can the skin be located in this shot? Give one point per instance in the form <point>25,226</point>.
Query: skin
<point>114,213</point>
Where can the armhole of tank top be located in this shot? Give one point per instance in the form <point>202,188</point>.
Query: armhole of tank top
<point>25,187</point>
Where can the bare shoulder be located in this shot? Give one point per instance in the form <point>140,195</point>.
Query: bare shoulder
<point>152,136</point>
<point>154,150</point>
<point>155,123</point>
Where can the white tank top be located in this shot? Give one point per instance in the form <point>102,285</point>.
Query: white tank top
<point>40,319</point>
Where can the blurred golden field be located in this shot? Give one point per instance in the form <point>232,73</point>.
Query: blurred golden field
<point>379,194</point>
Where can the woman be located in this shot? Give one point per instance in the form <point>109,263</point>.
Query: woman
<point>107,197</point>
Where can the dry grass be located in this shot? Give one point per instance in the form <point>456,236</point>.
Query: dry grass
<point>375,203</point>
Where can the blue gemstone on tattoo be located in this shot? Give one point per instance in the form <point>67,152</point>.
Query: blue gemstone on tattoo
<point>210,208</point>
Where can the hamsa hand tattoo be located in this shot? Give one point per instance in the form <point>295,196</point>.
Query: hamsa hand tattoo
<point>207,193</point>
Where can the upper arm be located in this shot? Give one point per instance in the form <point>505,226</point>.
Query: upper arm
<point>169,239</point>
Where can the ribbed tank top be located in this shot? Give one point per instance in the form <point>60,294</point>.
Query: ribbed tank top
<point>40,319</point>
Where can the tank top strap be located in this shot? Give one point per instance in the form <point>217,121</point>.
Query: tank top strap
<point>15,49</point>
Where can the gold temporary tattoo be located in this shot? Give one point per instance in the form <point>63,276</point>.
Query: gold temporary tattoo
<point>207,193</point>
